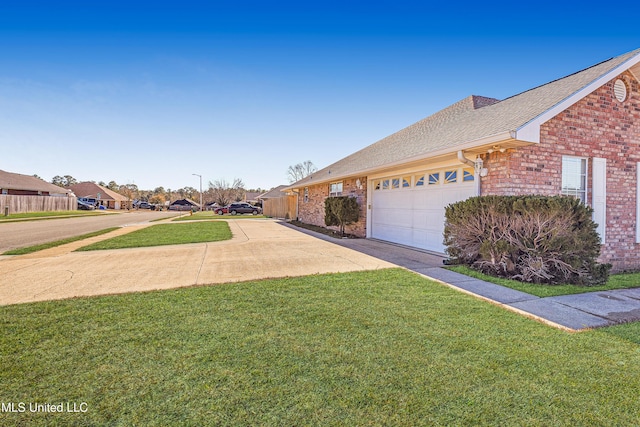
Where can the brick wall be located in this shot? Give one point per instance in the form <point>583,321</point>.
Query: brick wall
<point>596,126</point>
<point>312,211</point>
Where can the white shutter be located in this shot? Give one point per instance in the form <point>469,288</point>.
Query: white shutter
<point>599,201</point>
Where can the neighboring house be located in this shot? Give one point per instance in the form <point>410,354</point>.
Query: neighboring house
<point>251,197</point>
<point>26,185</point>
<point>578,136</point>
<point>274,193</point>
<point>184,205</point>
<point>210,206</point>
<point>278,203</point>
<point>103,196</point>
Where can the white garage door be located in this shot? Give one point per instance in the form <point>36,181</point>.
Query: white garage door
<point>409,209</point>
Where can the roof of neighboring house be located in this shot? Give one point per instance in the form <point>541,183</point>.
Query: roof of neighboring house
<point>476,121</point>
<point>184,202</point>
<point>274,193</point>
<point>16,181</point>
<point>91,190</point>
<point>251,195</point>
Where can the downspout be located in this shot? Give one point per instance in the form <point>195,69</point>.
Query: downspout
<point>477,166</point>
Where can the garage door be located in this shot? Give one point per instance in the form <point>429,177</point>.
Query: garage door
<point>409,209</point>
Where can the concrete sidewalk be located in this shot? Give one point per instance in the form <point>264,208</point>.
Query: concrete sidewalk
<point>569,312</point>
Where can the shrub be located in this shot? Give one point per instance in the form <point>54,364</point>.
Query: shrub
<point>529,238</point>
<point>341,211</point>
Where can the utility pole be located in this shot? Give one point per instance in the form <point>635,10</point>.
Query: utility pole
<point>200,176</point>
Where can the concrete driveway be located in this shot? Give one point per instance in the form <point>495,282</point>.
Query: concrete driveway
<point>259,249</point>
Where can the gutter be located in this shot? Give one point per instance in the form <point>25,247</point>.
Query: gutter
<point>464,160</point>
<point>492,139</point>
<point>478,170</point>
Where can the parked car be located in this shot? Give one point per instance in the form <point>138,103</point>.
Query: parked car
<point>89,201</point>
<point>239,208</point>
<point>222,210</point>
<point>84,206</point>
<point>145,205</point>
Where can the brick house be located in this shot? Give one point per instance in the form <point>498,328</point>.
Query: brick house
<point>26,185</point>
<point>103,196</point>
<point>578,135</point>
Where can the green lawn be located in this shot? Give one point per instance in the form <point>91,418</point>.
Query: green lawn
<point>36,248</point>
<point>616,281</point>
<point>167,234</point>
<point>213,215</point>
<point>372,348</point>
<point>48,215</point>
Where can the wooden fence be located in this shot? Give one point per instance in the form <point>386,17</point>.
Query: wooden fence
<point>281,207</point>
<point>22,204</point>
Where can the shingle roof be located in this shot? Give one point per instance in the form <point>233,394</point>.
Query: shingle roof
<point>185,202</point>
<point>16,181</point>
<point>274,193</point>
<point>471,119</point>
<point>91,189</point>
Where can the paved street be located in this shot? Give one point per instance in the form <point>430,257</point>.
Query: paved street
<point>28,233</point>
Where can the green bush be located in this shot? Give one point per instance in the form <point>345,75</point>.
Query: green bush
<point>341,211</point>
<point>534,239</point>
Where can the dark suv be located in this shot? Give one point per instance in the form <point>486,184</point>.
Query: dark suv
<point>239,208</point>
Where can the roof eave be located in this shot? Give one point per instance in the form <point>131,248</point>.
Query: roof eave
<point>530,131</point>
<point>476,145</point>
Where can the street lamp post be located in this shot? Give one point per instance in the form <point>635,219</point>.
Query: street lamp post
<point>200,176</point>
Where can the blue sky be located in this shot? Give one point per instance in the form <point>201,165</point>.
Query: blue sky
<point>152,92</point>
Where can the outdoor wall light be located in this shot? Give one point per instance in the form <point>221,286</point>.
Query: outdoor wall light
<point>479,167</point>
<point>479,163</point>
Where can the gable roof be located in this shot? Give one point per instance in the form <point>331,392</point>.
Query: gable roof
<point>91,189</point>
<point>16,181</point>
<point>476,121</point>
<point>274,193</point>
<point>185,202</point>
<point>251,195</point>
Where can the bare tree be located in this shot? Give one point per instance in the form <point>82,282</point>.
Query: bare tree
<point>301,170</point>
<point>224,192</point>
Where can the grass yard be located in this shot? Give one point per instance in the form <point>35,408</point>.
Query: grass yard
<point>371,348</point>
<point>49,215</point>
<point>212,215</point>
<point>36,248</point>
<point>167,234</point>
<point>616,281</point>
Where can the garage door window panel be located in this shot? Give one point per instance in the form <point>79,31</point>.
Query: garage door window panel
<point>434,178</point>
<point>467,175</point>
<point>451,177</point>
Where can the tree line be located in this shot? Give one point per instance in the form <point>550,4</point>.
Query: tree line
<point>220,191</point>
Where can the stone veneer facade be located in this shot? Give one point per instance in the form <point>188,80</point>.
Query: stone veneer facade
<point>596,126</point>
<point>311,211</point>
